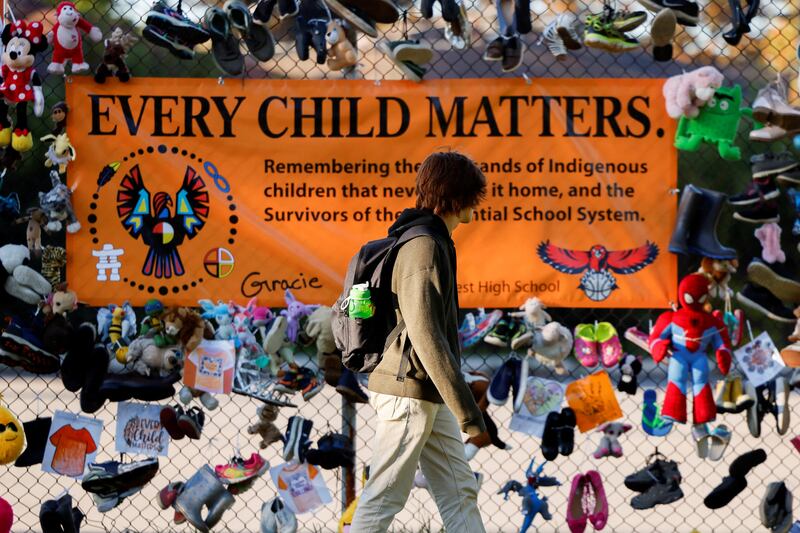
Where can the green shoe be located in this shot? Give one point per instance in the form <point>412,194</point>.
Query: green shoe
<point>608,344</point>
<point>605,37</point>
<point>586,345</point>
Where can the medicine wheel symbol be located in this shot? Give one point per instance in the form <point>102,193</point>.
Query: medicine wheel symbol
<point>219,262</point>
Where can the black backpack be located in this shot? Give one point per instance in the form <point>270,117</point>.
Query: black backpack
<point>363,341</point>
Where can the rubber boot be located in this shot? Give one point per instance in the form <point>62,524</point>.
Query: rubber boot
<point>203,489</point>
<point>691,200</point>
<point>703,233</point>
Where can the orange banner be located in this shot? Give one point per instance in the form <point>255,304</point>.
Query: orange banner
<point>188,189</point>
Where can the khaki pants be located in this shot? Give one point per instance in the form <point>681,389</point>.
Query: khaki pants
<point>411,432</point>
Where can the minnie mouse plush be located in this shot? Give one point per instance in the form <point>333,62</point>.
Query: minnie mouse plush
<point>20,83</point>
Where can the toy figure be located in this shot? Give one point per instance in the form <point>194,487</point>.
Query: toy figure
<point>117,46</point>
<point>58,114</point>
<point>36,218</point>
<point>60,152</point>
<point>57,205</point>
<point>531,503</point>
<point>67,41</point>
<point>341,52</point>
<point>717,123</point>
<point>20,83</point>
<point>295,313</point>
<point>117,324</point>
<point>609,445</point>
<point>690,332</point>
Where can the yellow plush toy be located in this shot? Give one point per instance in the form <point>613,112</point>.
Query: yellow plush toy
<point>12,436</point>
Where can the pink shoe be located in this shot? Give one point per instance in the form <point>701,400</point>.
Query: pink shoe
<point>240,470</point>
<point>586,345</point>
<point>599,515</point>
<point>608,344</point>
<point>576,515</point>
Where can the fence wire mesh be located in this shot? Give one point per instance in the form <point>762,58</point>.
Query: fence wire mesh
<point>768,49</point>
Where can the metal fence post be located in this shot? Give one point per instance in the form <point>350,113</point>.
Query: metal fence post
<point>349,475</point>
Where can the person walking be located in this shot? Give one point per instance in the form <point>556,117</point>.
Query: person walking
<point>421,399</point>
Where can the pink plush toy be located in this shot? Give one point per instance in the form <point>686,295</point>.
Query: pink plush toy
<point>769,235</point>
<point>609,445</point>
<point>687,93</point>
<point>66,39</point>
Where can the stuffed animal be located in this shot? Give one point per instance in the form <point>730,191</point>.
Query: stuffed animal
<point>147,358</point>
<point>550,345</point>
<point>19,280</point>
<point>265,425</point>
<point>295,312</point>
<point>341,52</point>
<point>318,327</point>
<point>152,325</point>
<point>60,152</point>
<point>719,273</point>
<point>54,258</point>
<point>609,445</point>
<point>35,218</point>
<point>277,346</point>
<point>117,46</point>
<point>60,302</point>
<point>67,41</point>
<point>535,316</point>
<point>769,235</point>
<point>20,82</point>
<point>222,314</point>
<point>57,205</point>
<point>479,385</point>
<point>686,93</point>
<point>12,437</point>
<point>58,114</point>
<point>629,368</point>
<point>185,325</point>
<point>117,325</point>
<point>690,332</point>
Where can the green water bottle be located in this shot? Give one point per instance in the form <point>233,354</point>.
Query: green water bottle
<point>360,304</point>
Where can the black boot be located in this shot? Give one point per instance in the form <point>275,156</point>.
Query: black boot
<point>740,23</point>
<point>688,208</point>
<point>703,233</point>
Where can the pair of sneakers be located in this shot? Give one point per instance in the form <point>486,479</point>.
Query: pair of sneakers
<point>657,484</point>
<point>506,333</point>
<point>169,28</point>
<point>509,49</point>
<point>111,482</point>
<point>179,423</point>
<point>229,25</point>
<point>587,502</point>
<point>276,517</point>
<point>294,378</point>
<point>597,343</point>
<point>608,30</point>
<point>561,35</point>
<point>297,442</point>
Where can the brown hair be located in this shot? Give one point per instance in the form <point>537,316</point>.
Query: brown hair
<point>448,182</point>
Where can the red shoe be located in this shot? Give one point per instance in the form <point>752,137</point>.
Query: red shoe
<point>239,470</point>
<point>576,515</point>
<point>167,495</point>
<point>599,515</point>
<point>169,420</point>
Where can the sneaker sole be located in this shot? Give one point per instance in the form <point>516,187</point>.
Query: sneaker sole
<point>683,18</point>
<point>250,477</point>
<point>410,74</point>
<point>186,32</point>
<point>761,274</point>
<point>742,218</point>
<point>291,444</point>
<point>769,172</point>
<point>181,52</point>
<point>795,180</point>
<point>751,201</point>
<point>744,300</point>
<point>787,121</point>
<point>35,360</point>
<point>511,68</point>
<point>664,28</point>
<point>594,40</point>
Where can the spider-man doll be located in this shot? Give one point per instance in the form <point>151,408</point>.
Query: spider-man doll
<point>689,332</point>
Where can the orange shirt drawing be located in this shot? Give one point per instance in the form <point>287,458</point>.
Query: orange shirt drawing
<point>72,446</point>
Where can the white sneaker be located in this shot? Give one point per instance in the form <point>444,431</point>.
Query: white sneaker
<point>277,518</point>
<point>553,41</point>
<point>562,35</point>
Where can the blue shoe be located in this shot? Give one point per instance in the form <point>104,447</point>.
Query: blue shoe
<point>349,388</point>
<point>504,381</point>
<point>652,421</point>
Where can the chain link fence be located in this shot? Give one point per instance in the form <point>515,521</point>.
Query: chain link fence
<point>767,50</point>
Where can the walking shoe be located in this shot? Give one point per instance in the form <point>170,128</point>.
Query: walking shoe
<point>769,163</point>
<point>758,190</point>
<point>310,384</point>
<point>762,212</point>
<point>191,422</point>
<point>608,344</point>
<point>658,470</point>
<point>567,27</point>
<point>256,37</point>
<point>175,46</point>
<point>501,334</point>
<point>167,495</point>
<point>334,450</point>
<point>586,345</point>
<point>658,494</point>
<point>277,518</point>
<point>776,279</point>
<point>734,483</point>
<point>603,36</point>
<point>494,50</point>
<point>169,417</point>
<point>20,346</point>
<point>408,56</point>
<point>619,19</point>
<point>224,45</point>
<point>475,328</point>
<point>113,477</point>
<point>174,24</point>
<point>662,33</point>
<point>686,11</point>
<point>296,443</point>
<point>652,421</point>
<point>577,515</point>
<point>504,382</point>
<point>555,43</point>
<point>513,51</point>
<point>762,300</point>
<point>459,31</point>
<point>598,513</point>
<point>239,470</point>
<point>349,387</point>
<point>770,133</point>
<point>771,106</point>
<point>740,21</point>
<point>776,508</point>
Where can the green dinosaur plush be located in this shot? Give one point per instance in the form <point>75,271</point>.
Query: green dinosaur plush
<point>717,123</point>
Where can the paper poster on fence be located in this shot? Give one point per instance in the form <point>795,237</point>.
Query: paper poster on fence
<point>192,189</point>
<point>72,444</point>
<point>540,397</point>
<point>139,430</point>
<point>760,360</point>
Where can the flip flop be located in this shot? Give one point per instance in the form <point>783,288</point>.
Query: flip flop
<point>224,45</point>
<point>701,437</point>
<point>258,39</point>
<point>719,440</point>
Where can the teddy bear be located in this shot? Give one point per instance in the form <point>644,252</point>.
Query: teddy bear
<point>36,218</point>
<point>19,280</point>
<point>686,93</point>
<point>20,83</point>
<point>341,52</point>
<point>60,302</point>
<point>67,41</point>
<point>117,46</point>
<point>147,358</point>
<point>265,425</point>
<point>719,274</point>
<point>184,325</point>
<point>609,445</point>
